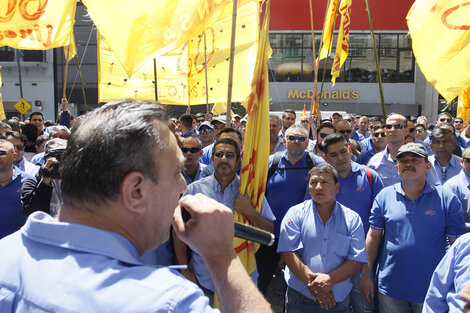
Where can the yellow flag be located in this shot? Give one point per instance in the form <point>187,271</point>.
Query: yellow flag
<point>36,24</point>
<point>328,29</point>
<point>70,51</point>
<point>2,111</point>
<point>440,33</point>
<point>463,109</point>
<point>342,45</point>
<point>181,72</point>
<point>136,30</point>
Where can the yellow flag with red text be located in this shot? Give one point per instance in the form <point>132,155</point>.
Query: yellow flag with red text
<point>463,109</point>
<point>328,28</point>
<point>342,45</point>
<point>440,33</point>
<point>36,24</point>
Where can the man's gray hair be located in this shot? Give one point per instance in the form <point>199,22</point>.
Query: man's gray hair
<point>298,126</point>
<point>8,143</point>
<point>275,117</point>
<point>106,145</point>
<point>60,128</point>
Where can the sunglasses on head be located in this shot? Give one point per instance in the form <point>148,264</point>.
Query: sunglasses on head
<point>345,131</point>
<point>396,126</point>
<point>192,150</point>
<point>228,155</point>
<point>298,138</point>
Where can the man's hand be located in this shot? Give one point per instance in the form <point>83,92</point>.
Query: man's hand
<point>367,287</point>
<point>321,283</point>
<point>48,166</point>
<point>326,300</point>
<point>354,149</point>
<point>65,104</point>
<point>210,230</point>
<point>243,205</point>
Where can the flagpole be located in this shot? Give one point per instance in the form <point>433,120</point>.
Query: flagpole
<point>205,73</point>
<point>377,64</point>
<point>314,102</point>
<point>228,118</point>
<point>19,76</point>
<point>64,91</point>
<point>155,78</point>
<point>81,83</point>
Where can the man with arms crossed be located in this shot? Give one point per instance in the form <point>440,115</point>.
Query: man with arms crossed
<point>118,203</point>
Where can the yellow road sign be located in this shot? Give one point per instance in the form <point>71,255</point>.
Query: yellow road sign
<point>22,106</point>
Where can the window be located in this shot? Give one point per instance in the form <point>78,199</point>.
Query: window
<point>8,54</point>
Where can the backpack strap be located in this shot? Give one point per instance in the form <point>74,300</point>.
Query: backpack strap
<point>310,160</point>
<point>369,175</point>
<point>272,169</point>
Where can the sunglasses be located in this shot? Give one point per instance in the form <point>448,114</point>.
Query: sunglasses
<point>420,130</point>
<point>228,155</point>
<point>379,134</point>
<point>412,129</point>
<point>349,120</point>
<point>458,122</point>
<point>304,121</point>
<point>200,121</point>
<point>3,152</point>
<point>298,138</point>
<point>323,135</point>
<point>396,126</point>
<point>192,150</point>
<point>345,131</point>
<point>205,131</point>
<point>466,160</point>
<point>449,120</point>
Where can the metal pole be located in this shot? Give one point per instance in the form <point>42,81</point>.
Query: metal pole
<point>155,77</point>
<point>228,119</point>
<point>205,72</point>
<point>82,84</point>
<point>18,55</point>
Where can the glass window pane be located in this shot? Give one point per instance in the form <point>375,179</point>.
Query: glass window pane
<point>292,40</point>
<point>404,41</point>
<point>7,54</point>
<point>33,56</point>
<point>406,73</point>
<point>275,40</point>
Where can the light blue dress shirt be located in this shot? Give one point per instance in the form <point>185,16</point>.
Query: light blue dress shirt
<point>322,248</point>
<point>48,266</point>
<point>460,185</point>
<point>450,277</point>
<point>211,188</point>
<point>188,179</point>
<point>452,168</point>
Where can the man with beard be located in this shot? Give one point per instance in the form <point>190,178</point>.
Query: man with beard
<point>412,221</point>
<point>275,142</point>
<point>223,186</point>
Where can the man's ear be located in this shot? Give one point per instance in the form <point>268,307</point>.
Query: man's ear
<point>134,193</point>
<point>428,166</point>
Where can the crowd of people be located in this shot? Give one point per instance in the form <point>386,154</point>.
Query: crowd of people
<point>368,215</point>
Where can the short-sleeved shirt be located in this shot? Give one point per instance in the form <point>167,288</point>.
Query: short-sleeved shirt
<point>11,209</point>
<point>188,179</point>
<point>211,188</point>
<point>414,237</point>
<point>322,248</point>
<point>450,277</point>
<point>288,186</point>
<point>460,186</point>
<point>365,156</point>
<point>279,147</point>
<point>385,166</point>
<point>50,266</point>
<point>355,191</point>
<point>206,157</point>
<point>452,168</point>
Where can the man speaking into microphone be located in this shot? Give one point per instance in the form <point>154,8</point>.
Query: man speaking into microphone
<point>223,186</point>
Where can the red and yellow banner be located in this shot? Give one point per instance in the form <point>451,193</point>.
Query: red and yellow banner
<point>342,45</point>
<point>463,109</point>
<point>36,24</point>
<point>440,33</point>
<point>328,28</point>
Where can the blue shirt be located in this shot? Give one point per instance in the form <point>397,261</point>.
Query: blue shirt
<point>188,179</point>
<point>288,186</point>
<point>463,141</point>
<point>11,210</point>
<point>323,248</point>
<point>452,168</point>
<point>355,192</point>
<point>38,158</point>
<point>279,147</point>
<point>365,156</point>
<point>450,277</point>
<point>460,186</point>
<point>206,157</point>
<point>211,188</point>
<point>385,166</point>
<point>414,238</point>
<point>368,143</point>
<point>50,266</point>
<point>357,136</point>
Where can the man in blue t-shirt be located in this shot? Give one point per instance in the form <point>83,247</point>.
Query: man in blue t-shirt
<point>358,187</point>
<point>413,221</point>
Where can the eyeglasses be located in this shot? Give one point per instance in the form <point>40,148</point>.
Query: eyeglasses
<point>412,129</point>
<point>298,138</point>
<point>19,147</point>
<point>323,135</point>
<point>345,131</point>
<point>3,152</point>
<point>458,122</point>
<point>304,121</point>
<point>449,120</point>
<point>228,155</point>
<point>464,159</point>
<point>420,130</point>
<point>205,130</point>
<point>349,120</point>
<point>380,134</point>
<point>192,150</point>
<point>396,126</point>
<point>200,121</point>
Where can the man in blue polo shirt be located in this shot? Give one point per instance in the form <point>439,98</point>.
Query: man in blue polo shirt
<point>287,186</point>
<point>449,279</point>
<point>412,220</point>
<point>444,162</point>
<point>192,151</point>
<point>322,243</point>
<point>358,187</point>
<point>460,185</point>
<point>11,181</point>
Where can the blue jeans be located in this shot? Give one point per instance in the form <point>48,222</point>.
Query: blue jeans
<point>388,304</point>
<point>297,303</point>
<point>358,303</point>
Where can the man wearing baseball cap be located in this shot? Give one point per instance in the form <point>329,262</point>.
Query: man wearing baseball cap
<point>413,220</point>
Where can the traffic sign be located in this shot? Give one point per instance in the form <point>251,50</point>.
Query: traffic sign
<point>22,106</point>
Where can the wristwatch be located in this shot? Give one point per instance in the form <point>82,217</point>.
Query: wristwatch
<point>44,172</point>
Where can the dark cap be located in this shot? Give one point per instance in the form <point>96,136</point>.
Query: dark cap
<point>412,147</point>
<point>56,144</point>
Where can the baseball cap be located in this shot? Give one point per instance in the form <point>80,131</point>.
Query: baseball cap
<point>206,123</point>
<point>56,144</point>
<point>413,147</point>
<point>220,119</point>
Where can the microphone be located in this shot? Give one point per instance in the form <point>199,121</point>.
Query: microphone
<point>245,231</point>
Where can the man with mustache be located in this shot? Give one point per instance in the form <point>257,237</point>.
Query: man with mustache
<point>413,220</point>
